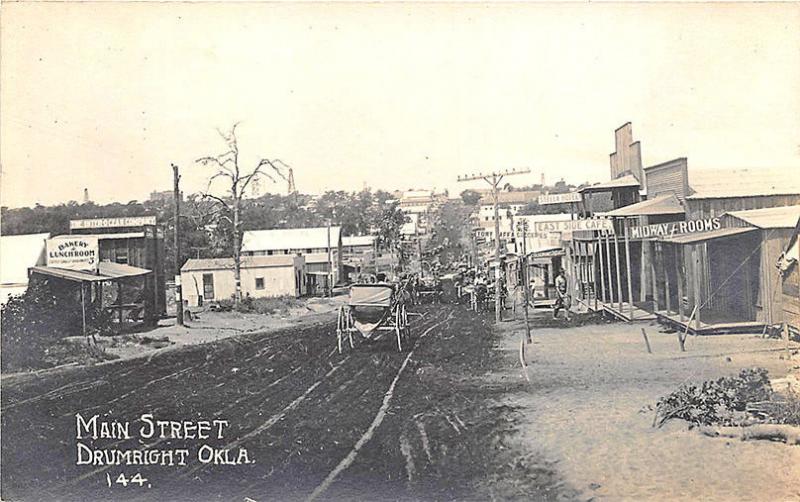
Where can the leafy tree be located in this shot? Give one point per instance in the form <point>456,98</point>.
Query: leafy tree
<point>470,197</point>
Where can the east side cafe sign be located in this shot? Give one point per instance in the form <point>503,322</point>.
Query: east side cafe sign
<point>73,252</point>
<point>674,228</point>
<point>572,225</point>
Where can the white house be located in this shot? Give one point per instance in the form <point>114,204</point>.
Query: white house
<point>208,280</point>
<point>321,247</point>
<point>18,253</point>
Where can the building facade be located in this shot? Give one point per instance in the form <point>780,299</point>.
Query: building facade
<point>212,280</point>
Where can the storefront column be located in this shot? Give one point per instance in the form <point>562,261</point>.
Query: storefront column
<point>610,275</point>
<point>653,277</point>
<point>628,265</point>
<point>696,283</point>
<point>619,276</point>
<point>602,265</point>
<point>679,267</point>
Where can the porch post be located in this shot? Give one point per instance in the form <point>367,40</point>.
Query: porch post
<point>619,277</point>
<point>610,275</point>
<point>654,278</point>
<point>628,265</point>
<point>602,266</point>
<point>665,270</point>
<point>679,267</point>
<point>696,281</point>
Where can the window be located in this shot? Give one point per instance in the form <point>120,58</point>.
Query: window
<point>269,252</point>
<point>208,286</point>
<point>259,283</point>
<point>309,251</point>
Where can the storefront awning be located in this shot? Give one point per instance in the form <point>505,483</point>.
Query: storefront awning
<point>706,236</point>
<point>107,271</point>
<point>661,205</point>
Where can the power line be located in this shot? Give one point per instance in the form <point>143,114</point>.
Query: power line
<point>493,179</point>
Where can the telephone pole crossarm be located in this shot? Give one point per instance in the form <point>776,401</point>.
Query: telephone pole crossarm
<point>493,179</point>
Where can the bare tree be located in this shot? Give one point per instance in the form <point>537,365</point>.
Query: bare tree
<point>236,182</point>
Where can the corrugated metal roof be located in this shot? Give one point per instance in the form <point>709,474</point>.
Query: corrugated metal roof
<point>107,271</point>
<point>18,253</point>
<point>246,262</point>
<point>358,240</point>
<point>661,205</point>
<point>770,217</point>
<point>628,180</point>
<point>722,183</point>
<point>290,238</point>
<point>706,236</point>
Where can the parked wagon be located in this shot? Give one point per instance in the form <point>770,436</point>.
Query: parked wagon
<point>373,310</point>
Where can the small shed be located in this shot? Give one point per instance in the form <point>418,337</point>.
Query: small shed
<point>205,280</point>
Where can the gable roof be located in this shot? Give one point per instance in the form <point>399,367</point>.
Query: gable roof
<point>722,183</point>
<point>290,238</point>
<point>247,262</point>
<point>18,253</point>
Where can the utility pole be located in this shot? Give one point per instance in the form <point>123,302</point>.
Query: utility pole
<point>176,177</point>
<point>494,179</point>
<point>330,259</point>
<point>523,227</point>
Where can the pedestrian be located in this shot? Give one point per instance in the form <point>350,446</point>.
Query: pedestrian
<point>562,298</point>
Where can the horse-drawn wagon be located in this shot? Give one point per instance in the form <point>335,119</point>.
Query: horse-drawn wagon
<point>373,309</point>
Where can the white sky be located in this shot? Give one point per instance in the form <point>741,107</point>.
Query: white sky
<point>105,96</point>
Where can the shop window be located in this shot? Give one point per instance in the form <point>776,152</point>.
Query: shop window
<point>259,283</point>
<point>208,286</point>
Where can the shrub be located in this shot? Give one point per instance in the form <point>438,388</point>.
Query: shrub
<point>722,401</point>
<point>32,323</point>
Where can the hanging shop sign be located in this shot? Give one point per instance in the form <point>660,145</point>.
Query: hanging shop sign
<point>134,221</point>
<point>602,224</point>
<point>674,228</point>
<point>560,198</point>
<point>73,252</point>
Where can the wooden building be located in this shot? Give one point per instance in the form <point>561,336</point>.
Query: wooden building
<point>211,280</point>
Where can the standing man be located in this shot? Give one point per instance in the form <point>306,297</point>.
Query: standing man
<point>562,298</point>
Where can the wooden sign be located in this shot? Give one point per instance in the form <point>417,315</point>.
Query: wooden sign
<point>560,198</point>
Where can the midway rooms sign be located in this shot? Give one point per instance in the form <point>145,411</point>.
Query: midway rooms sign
<point>674,228</point>
<point>74,252</point>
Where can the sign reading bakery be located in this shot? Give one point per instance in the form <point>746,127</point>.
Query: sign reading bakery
<point>674,228</point>
<point>74,252</point>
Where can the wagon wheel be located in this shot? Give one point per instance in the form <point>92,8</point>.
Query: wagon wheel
<point>398,316</point>
<point>340,320</point>
<point>349,319</point>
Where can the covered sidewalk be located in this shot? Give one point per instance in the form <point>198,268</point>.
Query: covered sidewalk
<point>91,288</point>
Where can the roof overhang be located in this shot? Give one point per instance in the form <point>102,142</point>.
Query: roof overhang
<point>107,271</point>
<point>707,236</point>
<point>667,204</point>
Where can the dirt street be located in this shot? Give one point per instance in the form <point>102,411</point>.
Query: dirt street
<point>369,424</point>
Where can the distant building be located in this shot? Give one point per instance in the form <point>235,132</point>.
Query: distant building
<point>210,280</point>
<point>321,247</point>
<point>163,196</point>
<point>17,254</point>
<point>509,204</point>
<point>422,204</point>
